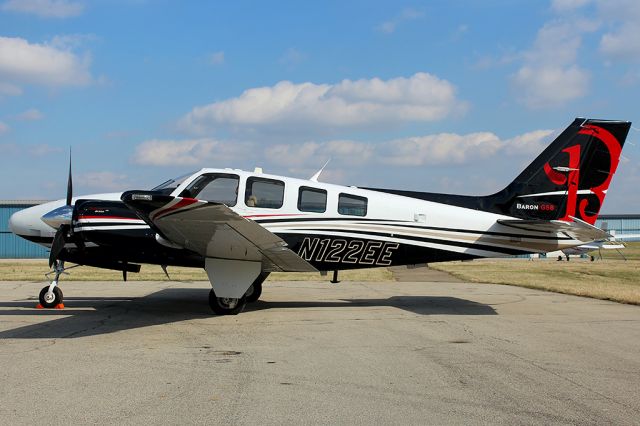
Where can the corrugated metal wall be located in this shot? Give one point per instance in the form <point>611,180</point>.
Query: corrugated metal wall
<point>12,247</point>
<point>623,224</point>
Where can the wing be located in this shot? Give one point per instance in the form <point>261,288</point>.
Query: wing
<point>213,230</point>
<point>578,229</point>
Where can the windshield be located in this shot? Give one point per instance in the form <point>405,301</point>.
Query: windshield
<point>169,186</point>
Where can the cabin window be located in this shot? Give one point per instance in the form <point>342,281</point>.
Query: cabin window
<point>215,187</point>
<point>312,200</point>
<point>264,193</point>
<point>352,205</point>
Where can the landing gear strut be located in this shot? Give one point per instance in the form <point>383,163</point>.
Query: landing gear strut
<point>51,295</point>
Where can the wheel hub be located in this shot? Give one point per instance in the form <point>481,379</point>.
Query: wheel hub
<point>49,297</point>
<point>227,302</point>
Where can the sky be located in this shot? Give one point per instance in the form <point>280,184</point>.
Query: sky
<point>440,96</point>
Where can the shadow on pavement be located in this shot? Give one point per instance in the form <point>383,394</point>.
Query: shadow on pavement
<point>90,316</point>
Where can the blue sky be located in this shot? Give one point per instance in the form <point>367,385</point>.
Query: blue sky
<point>446,96</point>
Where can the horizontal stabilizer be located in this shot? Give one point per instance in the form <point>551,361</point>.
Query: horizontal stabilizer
<point>577,229</point>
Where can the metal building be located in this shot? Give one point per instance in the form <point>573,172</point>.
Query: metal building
<point>620,224</point>
<point>12,247</point>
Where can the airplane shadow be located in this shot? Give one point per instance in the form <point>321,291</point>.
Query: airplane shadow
<point>113,314</point>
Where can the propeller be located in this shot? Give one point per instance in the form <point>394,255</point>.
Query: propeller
<point>60,218</point>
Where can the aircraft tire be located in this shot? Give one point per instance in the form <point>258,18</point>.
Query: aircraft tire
<point>224,306</point>
<point>255,291</point>
<point>57,297</point>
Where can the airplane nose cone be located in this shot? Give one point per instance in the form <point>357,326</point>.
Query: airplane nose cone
<point>19,222</point>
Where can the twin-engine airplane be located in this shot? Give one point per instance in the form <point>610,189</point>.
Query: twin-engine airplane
<point>240,226</point>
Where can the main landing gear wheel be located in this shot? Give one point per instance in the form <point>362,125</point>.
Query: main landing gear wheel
<point>226,305</point>
<point>255,291</point>
<point>50,300</point>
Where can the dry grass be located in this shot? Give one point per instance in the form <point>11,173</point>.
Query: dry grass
<point>34,270</point>
<point>611,278</point>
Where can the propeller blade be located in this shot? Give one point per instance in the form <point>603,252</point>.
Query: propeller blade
<point>69,182</point>
<point>58,245</point>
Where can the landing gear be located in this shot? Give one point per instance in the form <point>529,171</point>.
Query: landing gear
<point>226,305</point>
<point>51,295</point>
<point>254,292</point>
<point>50,299</point>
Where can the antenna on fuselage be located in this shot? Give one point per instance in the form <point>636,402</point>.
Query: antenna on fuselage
<point>315,177</point>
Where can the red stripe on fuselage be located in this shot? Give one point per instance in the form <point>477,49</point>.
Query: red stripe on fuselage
<point>108,217</point>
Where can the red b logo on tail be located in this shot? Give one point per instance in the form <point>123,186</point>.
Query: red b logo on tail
<point>572,178</point>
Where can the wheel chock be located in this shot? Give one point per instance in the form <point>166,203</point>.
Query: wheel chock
<point>58,306</point>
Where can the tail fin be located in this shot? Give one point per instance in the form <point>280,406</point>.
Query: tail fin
<point>571,176</point>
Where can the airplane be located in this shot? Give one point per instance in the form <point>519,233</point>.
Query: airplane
<point>240,226</point>
<point>615,242</point>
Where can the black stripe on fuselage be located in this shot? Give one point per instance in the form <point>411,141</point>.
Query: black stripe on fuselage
<point>484,247</point>
<point>404,224</point>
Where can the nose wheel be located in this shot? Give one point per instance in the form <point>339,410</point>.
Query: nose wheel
<point>51,295</point>
<point>50,299</point>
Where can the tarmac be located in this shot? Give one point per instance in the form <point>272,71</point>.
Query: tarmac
<point>407,352</point>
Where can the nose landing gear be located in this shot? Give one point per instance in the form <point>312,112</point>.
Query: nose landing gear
<point>51,296</point>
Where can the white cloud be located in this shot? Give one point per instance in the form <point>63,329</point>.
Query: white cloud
<point>104,181</point>
<point>438,149</point>
<point>550,76</point>
<point>42,150</point>
<point>311,153</point>
<point>45,8</point>
<point>7,89</point>
<point>189,152</point>
<point>408,14</point>
<point>30,115</point>
<point>348,104</point>
<point>568,5</point>
<point>292,57</point>
<point>22,62</point>
<point>216,58</point>
<point>622,41</point>
<point>4,128</point>
<point>550,86</point>
<point>452,148</point>
<point>443,148</point>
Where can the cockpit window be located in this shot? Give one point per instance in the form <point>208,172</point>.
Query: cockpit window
<point>216,187</point>
<point>170,185</point>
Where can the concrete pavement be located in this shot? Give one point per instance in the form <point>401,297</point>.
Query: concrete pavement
<point>353,353</point>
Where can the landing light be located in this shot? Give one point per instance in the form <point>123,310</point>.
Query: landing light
<point>145,197</point>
